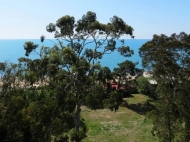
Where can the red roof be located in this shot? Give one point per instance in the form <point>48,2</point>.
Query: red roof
<point>115,85</point>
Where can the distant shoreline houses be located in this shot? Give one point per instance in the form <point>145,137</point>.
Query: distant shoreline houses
<point>149,75</point>
<point>119,83</point>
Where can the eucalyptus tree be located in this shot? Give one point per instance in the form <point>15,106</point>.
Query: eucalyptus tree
<point>74,62</point>
<point>168,58</point>
<point>127,68</point>
<point>127,73</point>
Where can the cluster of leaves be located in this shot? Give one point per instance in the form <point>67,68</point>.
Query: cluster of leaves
<point>30,113</point>
<point>168,58</point>
<point>145,87</point>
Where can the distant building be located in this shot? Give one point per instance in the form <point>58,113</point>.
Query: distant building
<point>147,74</point>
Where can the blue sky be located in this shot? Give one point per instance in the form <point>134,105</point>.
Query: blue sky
<point>27,19</point>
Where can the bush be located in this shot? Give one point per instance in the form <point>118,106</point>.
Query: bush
<point>145,88</point>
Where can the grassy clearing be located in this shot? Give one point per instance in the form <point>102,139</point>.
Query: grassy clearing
<point>128,124</point>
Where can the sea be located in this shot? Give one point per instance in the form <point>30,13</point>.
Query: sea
<point>12,49</point>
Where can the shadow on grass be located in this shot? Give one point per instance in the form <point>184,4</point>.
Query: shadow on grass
<point>140,108</point>
<point>128,96</point>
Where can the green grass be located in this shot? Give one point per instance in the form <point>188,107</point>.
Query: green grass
<point>128,124</point>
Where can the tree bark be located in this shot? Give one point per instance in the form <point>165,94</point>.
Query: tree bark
<point>187,135</point>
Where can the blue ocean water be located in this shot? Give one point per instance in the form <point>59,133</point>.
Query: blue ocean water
<point>11,50</point>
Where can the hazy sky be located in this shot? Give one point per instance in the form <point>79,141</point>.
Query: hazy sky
<point>27,19</point>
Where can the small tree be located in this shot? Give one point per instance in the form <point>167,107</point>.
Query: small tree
<point>144,87</point>
<point>125,74</point>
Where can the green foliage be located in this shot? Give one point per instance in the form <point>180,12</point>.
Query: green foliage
<point>28,113</point>
<point>29,47</point>
<point>168,59</point>
<point>78,136</point>
<point>166,117</point>
<point>113,101</point>
<point>94,99</point>
<point>126,75</point>
<point>144,87</point>
<point>66,24</point>
<point>125,67</point>
<point>125,51</point>
<point>104,74</point>
<point>32,115</point>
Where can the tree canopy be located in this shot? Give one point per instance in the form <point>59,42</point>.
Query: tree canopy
<point>168,59</point>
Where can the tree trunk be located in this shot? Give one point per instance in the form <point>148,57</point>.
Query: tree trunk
<point>76,117</point>
<point>169,129</point>
<point>187,135</point>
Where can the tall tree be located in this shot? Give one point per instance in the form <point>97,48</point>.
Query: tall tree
<point>73,68</point>
<point>168,58</point>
